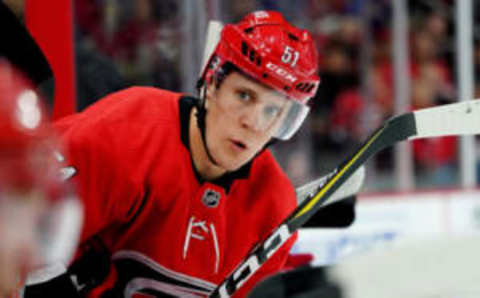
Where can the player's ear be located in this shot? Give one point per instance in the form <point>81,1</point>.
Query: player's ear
<point>210,91</point>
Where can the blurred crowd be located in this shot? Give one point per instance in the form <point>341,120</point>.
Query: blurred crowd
<point>123,43</point>
<point>357,92</point>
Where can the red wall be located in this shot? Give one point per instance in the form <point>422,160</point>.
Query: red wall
<point>51,24</point>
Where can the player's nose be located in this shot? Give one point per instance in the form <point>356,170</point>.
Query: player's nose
<point>251,118</point>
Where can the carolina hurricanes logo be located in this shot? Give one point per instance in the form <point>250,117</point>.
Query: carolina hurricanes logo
<point>201,230</point>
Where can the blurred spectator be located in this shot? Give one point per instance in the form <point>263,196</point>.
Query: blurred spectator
<point>140,29</point>
<point>337,74</point>
<point>89,18</point>
<point>431,85</point>
<point>346,115</point>
<point>144,47</point>
<point>97,76</point>
<point>349,110</point>
<point>238,9</point>
<point>425,63</point>
<point>139,36</point>
<point>436,24</point>
<point>434,157</point>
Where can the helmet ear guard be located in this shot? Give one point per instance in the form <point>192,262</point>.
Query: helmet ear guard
<point>214,31</point>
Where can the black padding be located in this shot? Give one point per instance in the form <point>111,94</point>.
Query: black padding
<point>20,49</point>
<point>340,214</point>
<point>60,286</point>
<point>306,282</point>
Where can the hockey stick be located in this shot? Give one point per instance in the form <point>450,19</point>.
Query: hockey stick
<point>453,119</point>
<point>350,187</point>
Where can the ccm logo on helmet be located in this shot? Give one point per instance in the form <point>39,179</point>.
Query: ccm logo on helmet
<point>281,72</point>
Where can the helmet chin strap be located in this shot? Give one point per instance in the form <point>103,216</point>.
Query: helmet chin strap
<point>201,114</point>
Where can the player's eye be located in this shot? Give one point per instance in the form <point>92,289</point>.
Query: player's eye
<point>244,96</point>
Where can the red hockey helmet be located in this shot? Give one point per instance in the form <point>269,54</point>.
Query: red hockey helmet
<point>30,171</point>
<point>267,48</point>
<point>26,143</point>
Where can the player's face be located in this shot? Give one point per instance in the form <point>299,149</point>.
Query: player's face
<point>242,117</point>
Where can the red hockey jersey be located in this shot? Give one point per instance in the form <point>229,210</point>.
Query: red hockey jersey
<point>166,229</point>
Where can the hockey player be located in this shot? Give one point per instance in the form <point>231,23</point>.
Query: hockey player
<point>177,190</point>
<point>34,204</point>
